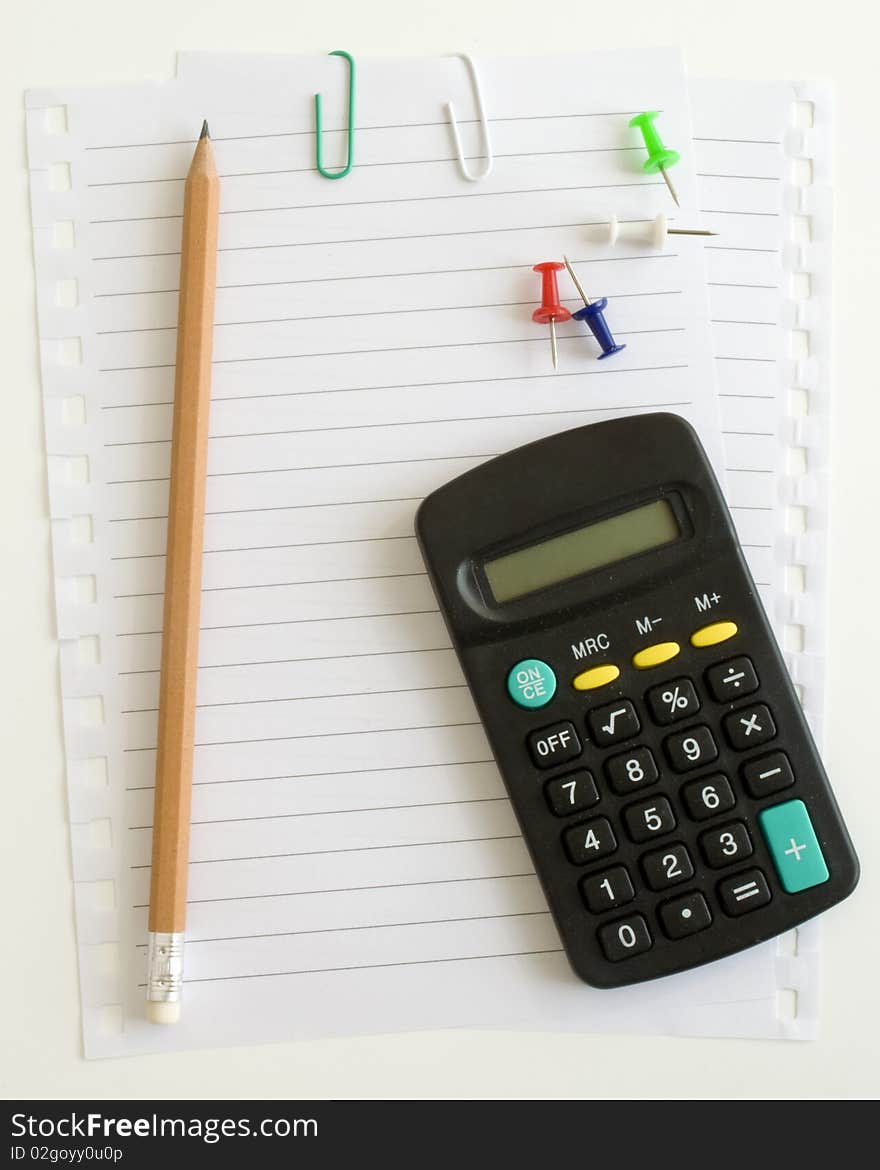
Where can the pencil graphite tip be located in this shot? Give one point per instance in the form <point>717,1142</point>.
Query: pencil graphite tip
<point>206,133</point>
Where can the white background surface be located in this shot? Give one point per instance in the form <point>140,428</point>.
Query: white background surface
<point>63,41</point>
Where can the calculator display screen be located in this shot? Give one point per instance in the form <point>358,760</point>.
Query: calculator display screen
<point>591,547</point>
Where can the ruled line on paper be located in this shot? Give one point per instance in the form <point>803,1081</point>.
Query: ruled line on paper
<point>369,966</point>
<point>495,118</point>
<point>404,162</point>
<point>556,377</point>
<point>482,344</point>
<point>321,775</point>
<point>397,275</point>
<point>354,617</point>
<point>384,425</point>
<point>314,658</point>
<point>322,735</point>
<point>432,235</point>
<point>352,889</point>
<point>389,313</point>
<point>347,849</point>
<point>190,941</point>
<point>331,812</point>
<point>386,202</point>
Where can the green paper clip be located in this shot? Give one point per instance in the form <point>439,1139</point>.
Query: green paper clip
<point>319,160</point>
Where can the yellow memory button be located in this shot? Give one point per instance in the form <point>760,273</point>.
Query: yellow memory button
<point>712,635</point>
<point>596,676</point>
<point>655,655</point>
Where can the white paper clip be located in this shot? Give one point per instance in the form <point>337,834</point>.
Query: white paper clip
<point>484,127</point>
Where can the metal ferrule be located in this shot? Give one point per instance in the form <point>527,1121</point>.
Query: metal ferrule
<point>165,966</point>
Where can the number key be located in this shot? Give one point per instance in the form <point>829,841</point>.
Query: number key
<point>649,818</point>
<point>604,891</point>
<point>672,701</point>
<point>572,793</point>
<point>620,940</point>
<point>691,749</point>
<point>667,867</point>
<point>707,797</point>
<point>589,841</point>
<point>726,845</point>
<point>631,770</point>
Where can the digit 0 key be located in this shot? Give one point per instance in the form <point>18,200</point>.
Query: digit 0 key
<point>657,757</point>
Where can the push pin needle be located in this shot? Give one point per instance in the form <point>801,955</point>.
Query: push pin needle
<point>551,310</point>
<point>651,231</point>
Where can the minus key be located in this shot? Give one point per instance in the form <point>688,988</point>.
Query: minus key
<point>767,774</point>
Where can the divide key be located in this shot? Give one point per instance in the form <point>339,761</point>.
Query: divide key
<point>556,744</point>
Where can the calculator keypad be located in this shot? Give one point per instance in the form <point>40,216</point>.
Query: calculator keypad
<point>659,804</point>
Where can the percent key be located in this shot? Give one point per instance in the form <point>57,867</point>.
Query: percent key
<point>672,701</point>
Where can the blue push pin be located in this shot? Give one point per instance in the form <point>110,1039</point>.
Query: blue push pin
<point>594,315</point>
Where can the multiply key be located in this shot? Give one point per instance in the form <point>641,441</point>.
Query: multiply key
<point>749,727</point>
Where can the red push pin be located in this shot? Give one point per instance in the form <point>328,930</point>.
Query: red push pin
<point>551,310</point>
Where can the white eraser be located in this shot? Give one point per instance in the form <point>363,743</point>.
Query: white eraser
<point>159,1012</point>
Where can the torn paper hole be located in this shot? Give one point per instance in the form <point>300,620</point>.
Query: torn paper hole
<point>88,650</point>
<point>92,774</point>
<point>63,234</point>
<point>55,119</point>
<point>67,294</point>
<point>87,712</point>
<point>81,530</point>
<point>71,351</point>
<point>59,177</point>
<point>786,1003</point>
<point>86,589</point>
<point>73,411</point>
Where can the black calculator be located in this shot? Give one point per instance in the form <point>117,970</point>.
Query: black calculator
<point>636,701</point>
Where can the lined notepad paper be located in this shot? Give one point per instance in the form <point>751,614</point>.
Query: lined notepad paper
<point>355,863</point>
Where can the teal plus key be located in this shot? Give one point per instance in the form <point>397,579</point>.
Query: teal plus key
<point>659,156</point>
<point>794,846</point>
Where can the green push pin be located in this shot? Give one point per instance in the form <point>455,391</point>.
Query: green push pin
<point>659,156</point>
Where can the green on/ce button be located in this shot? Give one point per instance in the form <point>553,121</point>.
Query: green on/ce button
<point>531,683</point>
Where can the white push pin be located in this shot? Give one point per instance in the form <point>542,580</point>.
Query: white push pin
<point>648,231</point>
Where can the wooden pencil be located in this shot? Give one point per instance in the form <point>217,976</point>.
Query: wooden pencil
<point>183,579</point>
